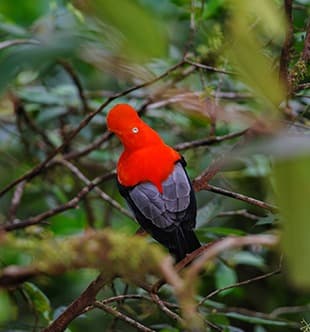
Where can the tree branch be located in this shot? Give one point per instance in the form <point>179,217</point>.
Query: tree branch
<point>37,169</point>
<point>16,199</point>
<point>286,48</point>
<point>69,69</point>
<point>101,193</point>
<point>77,307</point>
<point>230,242</point>
<point>240,283</point>
<point>61,208</point>
<point>14,42</point>
<point>241,197</point>
<point>123,317</point>
<point>209,68</point>
<point>208,141</point>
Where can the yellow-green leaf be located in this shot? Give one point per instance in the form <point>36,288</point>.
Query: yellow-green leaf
<point>293,191</point>
<point>38,299</point>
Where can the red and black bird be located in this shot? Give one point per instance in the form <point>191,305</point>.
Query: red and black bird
<point>151,176</point>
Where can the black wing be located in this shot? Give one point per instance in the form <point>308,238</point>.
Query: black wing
<point>169,217</point>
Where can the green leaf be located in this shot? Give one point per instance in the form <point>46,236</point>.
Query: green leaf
<point>38,300</point>
<point>224,231</point>
<point>69,222</point>
<point>38,56</point>
<point>142,35</point>
<point>256,320</point>
<point>248,258</point>
<point>246,47</point>
<point>293,191</point>
<point>8,310</point>
<point>268,220</point>
<point>27,11</point>
<point>225,276</point>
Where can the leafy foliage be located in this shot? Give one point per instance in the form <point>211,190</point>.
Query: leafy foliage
<point>226,83</point>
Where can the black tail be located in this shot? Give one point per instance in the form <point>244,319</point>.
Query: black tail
<point>183,242</point>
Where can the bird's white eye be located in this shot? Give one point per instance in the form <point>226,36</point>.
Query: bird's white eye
<point>135,130</point>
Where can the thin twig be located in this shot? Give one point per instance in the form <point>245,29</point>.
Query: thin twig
<point>209,68</point>
<point>50,213</point>
<point>88,148</point>
<point>165,309</point>
<point>208,141</point>
<point>290,310</point>
<point>16,199</point>
<point>123,317</point>
<point>14,42</point>
<point>256,314</point>
<point>241,197</point>
<point>241,283</point>
<point>20,111</point>
<point>243,212</point>
<point>69,69</point>
<point>37,169</point>
<point>101,193</point>
<point>227,243</point>
<point>124,297</point>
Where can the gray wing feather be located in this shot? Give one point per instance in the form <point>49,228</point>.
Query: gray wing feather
<point>163,209</point>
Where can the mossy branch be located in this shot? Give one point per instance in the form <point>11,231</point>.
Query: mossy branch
<point>114,254</point>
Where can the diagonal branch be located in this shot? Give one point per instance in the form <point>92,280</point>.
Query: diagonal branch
<point>16,199</point>
<point>209,68</point>
<point>209,140</point>
<point>230,242</point>
<point>78,306</point>
<point>14,42</point>
<point>101,193</point>
<point>37,169</point>
<point>241,283</point>
<point>138,326</point>
<point>20,111</point>
<point>69,69</point>
<point>241,197</point>
<point>50,213</point>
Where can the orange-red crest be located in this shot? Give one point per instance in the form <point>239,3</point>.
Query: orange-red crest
<point>145,157</point>
<point>121,118</point>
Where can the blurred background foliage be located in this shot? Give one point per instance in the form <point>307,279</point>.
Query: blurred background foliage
<point>60,60</point>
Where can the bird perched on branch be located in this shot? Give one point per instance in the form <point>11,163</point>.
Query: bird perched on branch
<point>151,176</point>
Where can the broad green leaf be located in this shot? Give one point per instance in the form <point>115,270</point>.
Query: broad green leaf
<point>270,17</point>
<point>7,309</point>
<point>38,299</point>
<point>37,56</point>
<point>293,191</point>
<point>69,222</point>
<point>246,48</point>
<point>142,35</point>
<point>248,258</point>
<point>24,12</point>
<point>225,276</point>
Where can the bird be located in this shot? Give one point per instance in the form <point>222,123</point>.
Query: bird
<point>152,178</point>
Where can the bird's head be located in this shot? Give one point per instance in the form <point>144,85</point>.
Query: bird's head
<point>124,121</point>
